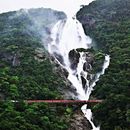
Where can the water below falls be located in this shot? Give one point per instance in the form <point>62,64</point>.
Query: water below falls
<point>68,35</point>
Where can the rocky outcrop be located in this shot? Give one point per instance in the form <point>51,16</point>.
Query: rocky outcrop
<point>11,58</point>
<point>86,75</point>
<point>74,59</point>
<point>79,122</point>
<point>88,21</point>
<point>40,54</point>
<point>68,91</point>
<point>59,58</point>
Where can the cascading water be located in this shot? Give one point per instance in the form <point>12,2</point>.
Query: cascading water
<point>68,35</point>
<point>87,112</point>
<point>71,37</point>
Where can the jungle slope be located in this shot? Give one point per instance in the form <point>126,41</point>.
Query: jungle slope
<point>108,23</point>
<point>27,72</point>
<point>25,67</point>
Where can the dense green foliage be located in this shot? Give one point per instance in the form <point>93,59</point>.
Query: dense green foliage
<point>26,72</point>
<point>108,23</point>
<point>29,78</point>
<point>21,116</point>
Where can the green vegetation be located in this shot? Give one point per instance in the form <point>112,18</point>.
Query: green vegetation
<point>27,78</point>
<point>98,61</point>
<point>26,72</point>
<point>22,116</point>
<point>108,23</point>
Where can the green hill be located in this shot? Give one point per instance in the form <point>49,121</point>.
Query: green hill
<point>108,23</point>
<point>27,72</point>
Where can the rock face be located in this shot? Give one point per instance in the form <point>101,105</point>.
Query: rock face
<point>59,58</point>
<point>74,58</point>
<point>79,122</point>
<point>68,91</point>
<point>12,58</point>
<point>86,74</point>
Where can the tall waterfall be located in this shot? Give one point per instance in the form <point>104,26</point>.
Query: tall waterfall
<point>71,36</point>
<point>68,35</point>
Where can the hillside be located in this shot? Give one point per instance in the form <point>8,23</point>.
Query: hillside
<point>27,71</point>
<point>108,23</point>
<point>25,64</point>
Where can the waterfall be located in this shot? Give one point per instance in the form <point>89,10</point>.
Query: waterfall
<point>71,36</point>
<point>68,35</point>
<point>88,112</point>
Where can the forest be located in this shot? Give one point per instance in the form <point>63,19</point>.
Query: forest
<point>26,72</point>
<point>107,22</point>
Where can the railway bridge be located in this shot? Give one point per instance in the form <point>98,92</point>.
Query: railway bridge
<point>64,101</point>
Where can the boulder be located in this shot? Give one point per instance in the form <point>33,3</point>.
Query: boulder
<point>74,58</point>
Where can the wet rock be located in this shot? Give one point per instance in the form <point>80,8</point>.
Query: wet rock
<point>83,82</point>
<point>59,58</point>
<point>87,20</point>
<point>89,77</point>
<point>74,58</point>
<point>89,58</point>
<point>86,66</point>
<point>68,90</point>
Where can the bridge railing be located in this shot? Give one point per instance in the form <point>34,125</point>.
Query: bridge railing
<point>64,101</point>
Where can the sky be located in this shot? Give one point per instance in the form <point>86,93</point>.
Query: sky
<point>70,7</point>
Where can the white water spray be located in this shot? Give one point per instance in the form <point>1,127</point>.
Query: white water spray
<point>71,37</point>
